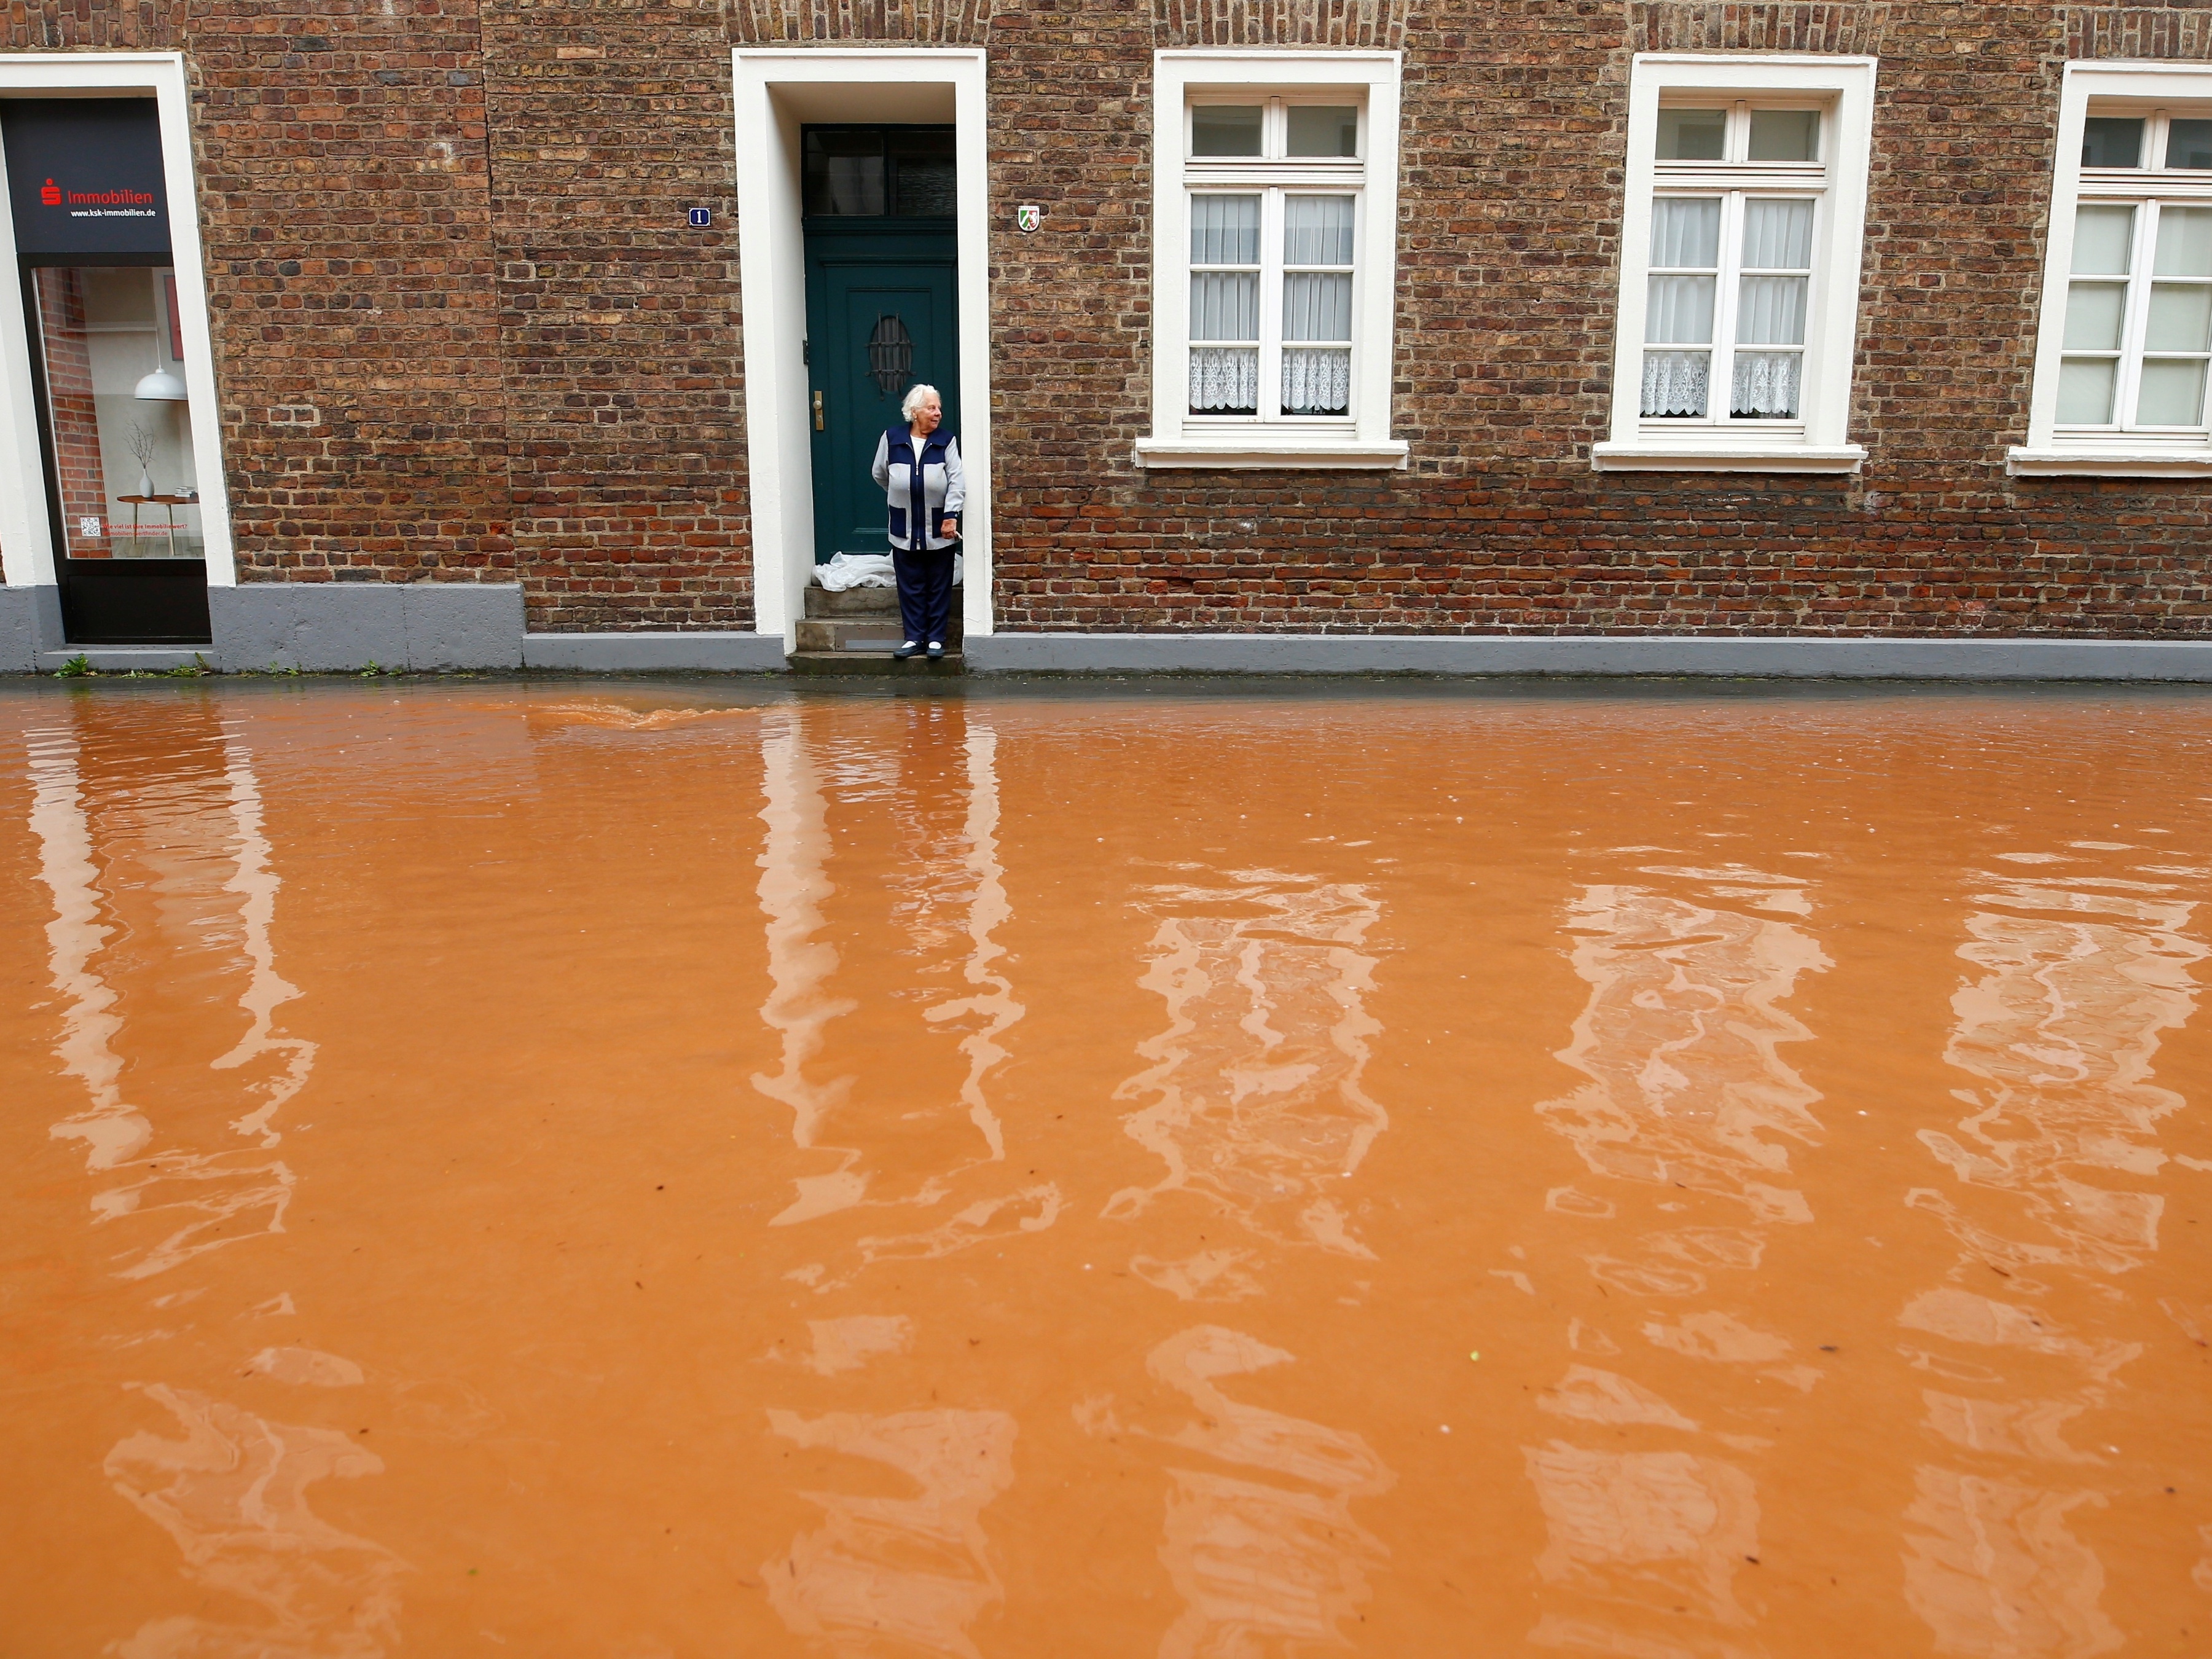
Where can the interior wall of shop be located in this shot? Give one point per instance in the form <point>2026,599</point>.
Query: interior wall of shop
<point>463,332</point>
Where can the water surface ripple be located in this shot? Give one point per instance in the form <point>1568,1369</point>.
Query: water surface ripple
<point>649,1170</point>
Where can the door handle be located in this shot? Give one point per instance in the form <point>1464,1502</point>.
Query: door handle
<point>817,411</point>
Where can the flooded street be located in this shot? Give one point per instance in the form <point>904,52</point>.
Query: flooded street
<point>657,1170</point>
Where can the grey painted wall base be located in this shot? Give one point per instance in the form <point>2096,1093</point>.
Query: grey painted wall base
<point>30,621</point>
<point>1584,654</point>
<point>339,625</point>
<point>655,653</point>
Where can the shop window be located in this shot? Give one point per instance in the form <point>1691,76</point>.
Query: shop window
<point>110,353</point>
<point>1740,265</point>
<point>2126,336</point>
<point>1273,266</point>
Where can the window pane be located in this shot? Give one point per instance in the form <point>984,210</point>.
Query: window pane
<point>1674,383</point>
<point>1225,305</point>
<point>1225,230</point>
<point>1225,381</point>
<point>1692,135</point>
<point>1778,235</point>
<point>2092,316</point>
<point>2113,140</point>
<point>1686,233</point>
<point>924,172</point>
<point>1324,130</point>
<point>1317,230</point>
<point>845,170</point>
<point>1316,382</point>
<point>2172,392</point>
<point>2184,242</point>
<point>120,459</point>
<point>1772,311</point>
<point>2189,145</point>
<point>1785,134</point>
<point>1224,129</point>
<point>2102,238</point>
<point>1681,310</point>
<point>1317,306</point>
<point>1765,385</point>
<point>2085,391</point>
<point>2180,317</point>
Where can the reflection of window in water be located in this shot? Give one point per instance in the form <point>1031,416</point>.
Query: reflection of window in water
<point>121,443</point>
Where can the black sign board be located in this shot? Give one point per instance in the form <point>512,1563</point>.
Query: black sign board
<point>84,177</point>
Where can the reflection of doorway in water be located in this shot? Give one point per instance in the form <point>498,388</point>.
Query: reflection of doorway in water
<point>881,270</point>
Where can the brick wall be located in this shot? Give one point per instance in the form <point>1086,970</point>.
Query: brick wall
<point>463,332</point>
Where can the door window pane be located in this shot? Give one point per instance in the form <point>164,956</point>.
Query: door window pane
<point>1686,233</point>
<point>1224,129</point>
<point>2103,237</point>
<point>1785,134</point>
<point>2184,242</point>
<point>1778,235</point>
<point>925,173</point>
<point>844,170</point>
<point>2180,317</point>
<point>2085,391</point>
<point>1692,135</point>
<point>2172,392</point>
<point>2113,140</point>
<point>1317,230</point>
<point>1225,230</point>
<point>2189,145</point>
<point>2093,311</point>
<point>1324,130</point>
<point>122,453</point>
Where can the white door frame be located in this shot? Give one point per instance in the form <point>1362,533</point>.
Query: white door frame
<point>772,275</point>
<point>27,541</point>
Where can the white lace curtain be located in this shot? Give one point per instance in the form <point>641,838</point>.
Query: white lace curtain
<point>1316,382</point>
<point>1225,381</point>
<point>1765,385</point>
<point>1676,382</point>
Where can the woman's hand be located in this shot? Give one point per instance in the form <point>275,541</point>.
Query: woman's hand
<point>951,530</point>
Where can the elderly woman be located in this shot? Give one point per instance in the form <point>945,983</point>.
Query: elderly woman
<point>918,468</point>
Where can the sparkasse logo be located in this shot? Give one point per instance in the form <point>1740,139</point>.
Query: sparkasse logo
<point>51,194</point>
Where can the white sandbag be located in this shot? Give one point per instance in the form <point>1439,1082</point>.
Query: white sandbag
<point>847,570</point>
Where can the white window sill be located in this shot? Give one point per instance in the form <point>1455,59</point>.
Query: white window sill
<point>2110,462</point>
<point>1253,452</point>
<point>1735,458</point>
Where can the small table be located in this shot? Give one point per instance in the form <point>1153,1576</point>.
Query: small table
<point>169,504</point>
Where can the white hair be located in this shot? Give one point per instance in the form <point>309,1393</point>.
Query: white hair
<point>916,395</point>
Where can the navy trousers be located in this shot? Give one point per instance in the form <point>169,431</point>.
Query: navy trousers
<point>925,590</point>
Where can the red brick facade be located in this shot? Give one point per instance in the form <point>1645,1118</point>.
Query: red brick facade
<point>462,332</point>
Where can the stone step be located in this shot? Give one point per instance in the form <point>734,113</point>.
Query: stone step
<point>859,634</point>
<point>871,662</point>
<point>860,602</point>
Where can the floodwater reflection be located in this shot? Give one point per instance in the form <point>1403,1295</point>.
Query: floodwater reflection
<point>2080,976</point>
<point>684,1167</point>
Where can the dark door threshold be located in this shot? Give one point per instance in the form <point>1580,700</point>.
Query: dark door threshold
<point>136,602</point>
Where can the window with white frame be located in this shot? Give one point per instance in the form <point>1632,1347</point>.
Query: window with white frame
<point>2126,337</point>
<point>1739,268</point>
<point>1274,264</point>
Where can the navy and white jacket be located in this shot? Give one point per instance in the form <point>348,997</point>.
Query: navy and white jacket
<point>922,492</point>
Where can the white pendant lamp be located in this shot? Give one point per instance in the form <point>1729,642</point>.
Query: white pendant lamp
<point>161,387</point>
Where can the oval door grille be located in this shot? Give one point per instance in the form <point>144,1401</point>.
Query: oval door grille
<point>890,355</point>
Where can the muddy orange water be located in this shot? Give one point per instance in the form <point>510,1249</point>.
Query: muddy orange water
<point>671,1171</point>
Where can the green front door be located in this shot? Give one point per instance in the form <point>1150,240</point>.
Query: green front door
<point>879,316</point>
